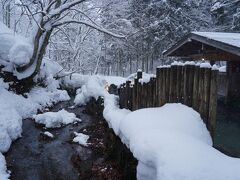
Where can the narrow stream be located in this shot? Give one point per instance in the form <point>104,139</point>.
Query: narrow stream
<point>228,130</point>
<point>33,158</point>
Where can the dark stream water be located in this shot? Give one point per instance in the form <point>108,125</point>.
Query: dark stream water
<point>227,134</point>
<point>32,158</point>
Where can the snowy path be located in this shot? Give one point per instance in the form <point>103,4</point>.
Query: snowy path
<point>31,158</point>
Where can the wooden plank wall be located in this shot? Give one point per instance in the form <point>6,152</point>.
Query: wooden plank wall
<point>191,85</point>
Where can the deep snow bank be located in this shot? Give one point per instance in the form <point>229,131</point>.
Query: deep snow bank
<point>170,142</point>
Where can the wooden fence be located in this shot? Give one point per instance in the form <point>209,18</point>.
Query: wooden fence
<point>191,85</point>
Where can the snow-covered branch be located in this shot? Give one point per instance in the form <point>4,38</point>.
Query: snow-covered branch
<point>101,29</point>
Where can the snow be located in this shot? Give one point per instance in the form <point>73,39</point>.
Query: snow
<point>48,134</point>
<point>223,69</point>
<point>145,77</point>
<point>81,139</point>
<point>55,119</point>
<point>44,97</point>
<point>215,67</point>
<point>167,145</point>
<point>94,87</point>
<point>14,49</point>
<point>205,65</point>
<point>116,80</point>
<point>177,63</point>
<point>228,38</point>
<point>3,168</point>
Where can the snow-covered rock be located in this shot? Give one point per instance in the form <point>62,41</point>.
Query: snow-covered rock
<point>14,49</point>
<point>55,119</point>
<point>48,134</point>
<point>81,139</point>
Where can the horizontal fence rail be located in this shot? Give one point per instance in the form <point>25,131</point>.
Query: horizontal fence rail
<point>192,85</point>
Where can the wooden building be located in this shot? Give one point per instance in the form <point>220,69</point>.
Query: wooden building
<point>213,46</point>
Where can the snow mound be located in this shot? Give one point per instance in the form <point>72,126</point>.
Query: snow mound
<point>55,119</point>
<point>46,98</point>
<point>81,139</point>
<point>14,49</point>
<point>94,87</point>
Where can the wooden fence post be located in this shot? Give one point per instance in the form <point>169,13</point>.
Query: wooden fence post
<point>188,84</point>
<point>127,98</point>
<point>213,102</point>
<point>195,102</point>
<point>163,88</point>
<point>139,90</point>
<point>179,83</point>
<point>207,83</point>
<point>200,91</point>
<point>173,84</point>
<point>154,92</point>
<point>134,99</point>
<point>158,86</point>
<point>167,86</point>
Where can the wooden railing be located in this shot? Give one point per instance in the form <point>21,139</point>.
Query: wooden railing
<point>192,85</point>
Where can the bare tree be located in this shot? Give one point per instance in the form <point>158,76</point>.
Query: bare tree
<point>47,16</point>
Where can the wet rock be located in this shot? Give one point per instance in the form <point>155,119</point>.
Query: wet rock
<point>45,136</point>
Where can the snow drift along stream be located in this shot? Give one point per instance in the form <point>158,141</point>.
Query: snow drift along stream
<point>170,142</point>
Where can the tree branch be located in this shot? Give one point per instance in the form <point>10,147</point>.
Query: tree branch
<point>90,25</point>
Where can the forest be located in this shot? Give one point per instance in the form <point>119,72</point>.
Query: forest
<point>101,89</point>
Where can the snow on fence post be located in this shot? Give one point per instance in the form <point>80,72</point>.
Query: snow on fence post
<point>195,102</point>
<point>213,102</point>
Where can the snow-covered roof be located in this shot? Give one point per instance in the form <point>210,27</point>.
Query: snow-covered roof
<point>208,43</point>
<point>228,38</point>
